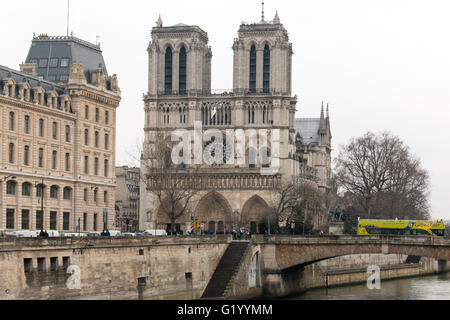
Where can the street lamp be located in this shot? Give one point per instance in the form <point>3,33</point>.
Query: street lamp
<point>36,185</point>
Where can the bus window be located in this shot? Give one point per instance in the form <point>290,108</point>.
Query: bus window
<point>438,232</point>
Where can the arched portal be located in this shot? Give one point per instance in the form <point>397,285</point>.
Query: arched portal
<point>253,211</point>
<point>214,211</point>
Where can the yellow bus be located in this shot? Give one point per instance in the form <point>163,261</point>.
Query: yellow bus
<point>420,228</point>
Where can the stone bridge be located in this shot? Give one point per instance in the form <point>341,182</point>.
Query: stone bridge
<point>284,257</point>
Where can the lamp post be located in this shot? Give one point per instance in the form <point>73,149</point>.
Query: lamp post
<point>36,185</point>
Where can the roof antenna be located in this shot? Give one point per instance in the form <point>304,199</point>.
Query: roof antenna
<point>68,15</point>
<point>262,16</point>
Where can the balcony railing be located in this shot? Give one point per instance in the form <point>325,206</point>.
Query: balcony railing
<point>219,92</point>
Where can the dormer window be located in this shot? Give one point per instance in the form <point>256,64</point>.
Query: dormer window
<point>64,63</point>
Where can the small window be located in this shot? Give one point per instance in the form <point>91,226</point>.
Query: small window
<point>54,192</point>
<point>28,265</point>
<point>66,262</point>
<point>66,221</point>
<point>53,63</point>
<point>43,63</point>
<point>188,276</point>
<point>106,117</point>
<point>41,264</point>
<point>26,189</point>
<point>86,112</point>
<point>53,263</point>
<point>10,219</point>
<point>141,252</point>
<point>142,281</point>
<point>11,121</point>
<point>27,125</point>
<point>25,219</point>
<point>64,63</point>
<point>11,188</point>
<point>97,115</point>
<point>67,193</point>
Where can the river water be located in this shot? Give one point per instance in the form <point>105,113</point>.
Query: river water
<point>434,287</point>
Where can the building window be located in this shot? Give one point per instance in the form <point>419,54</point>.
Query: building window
<point>86,164</point>
<point>63,77</point>
<point>54,156</point>
<point>41,158</point>
<point>11,121</point>
<point>105,197</point>
<point>168,71</point>
<point>26,155</point>
<point>67,160</point>
<point>106,141</point>
<point>54,130</point>
<point>106,168</point>
<point>39,220</point>
<point>97,114</point>
<point>26,128</point>
<point>54,192</point>
<point>25,219</point>
<point>67,133</point>
<point>95,222</point>
<point>85,191</point>
<point>95,195</point>
<point>253,69</point>
<point>96,139</point>
<point>27,265</point>
<point>39,190</point>
<point>11,188</point>
<point>86,112</point>
<point>11,153</point>
<point>43,63</point>
<point>26,189</point>
<point>41,264</point>
<point>64,63</point>
<point>266,69</point>
<point>182,71</point>
<point>67,193</point>
<point>66,221</point>
<point>53,220</point>
<point>53,264</point>
<point>96,166</point>
<point>41,127</point>
<point>86,137</point>
<point>9,218</point>
<point>84,221</point>
<point>106,117</point>
<point>53,62</point>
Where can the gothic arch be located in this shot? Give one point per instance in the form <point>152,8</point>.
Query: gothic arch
<point>253,211</point>
<point>214,208</point>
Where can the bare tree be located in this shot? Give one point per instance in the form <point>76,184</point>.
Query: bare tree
<point>383,178</point>
<point>173,186</point>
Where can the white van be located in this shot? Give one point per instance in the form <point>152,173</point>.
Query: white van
<point>114,233</point>
<point>156,232</point>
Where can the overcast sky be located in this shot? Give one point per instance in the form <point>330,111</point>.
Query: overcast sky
<point>381,65</point>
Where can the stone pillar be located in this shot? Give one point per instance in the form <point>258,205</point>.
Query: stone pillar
<point>336,228</point>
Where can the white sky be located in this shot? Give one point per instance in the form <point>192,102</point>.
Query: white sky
<point>381,64</point>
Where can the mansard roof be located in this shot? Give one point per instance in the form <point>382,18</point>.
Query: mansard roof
<point>58,54</point>
<point>20,77</point>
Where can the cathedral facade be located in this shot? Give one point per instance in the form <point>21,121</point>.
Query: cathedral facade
<point>232,194</point>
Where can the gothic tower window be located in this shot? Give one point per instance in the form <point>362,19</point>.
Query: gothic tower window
<point>168,71</point>
<point>266,69</point>
<point>182,71</point>
<point>253,69</point>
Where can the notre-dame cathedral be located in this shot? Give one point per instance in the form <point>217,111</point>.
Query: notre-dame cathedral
<point>179,95</point>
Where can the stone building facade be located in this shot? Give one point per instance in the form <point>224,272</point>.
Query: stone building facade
<point>127,198</point>
<point>57,134</point>
<point>233,194</point>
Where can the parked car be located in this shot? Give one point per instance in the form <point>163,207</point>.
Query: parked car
<point>22,234</point>
<point>93,234</point>
<point>128,234</point>
<point>114,233</point>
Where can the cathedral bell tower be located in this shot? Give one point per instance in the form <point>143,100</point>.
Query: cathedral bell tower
<point>179,60</point>
<point>263,58</point>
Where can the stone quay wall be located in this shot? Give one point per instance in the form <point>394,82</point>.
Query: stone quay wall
<point>108,268</point>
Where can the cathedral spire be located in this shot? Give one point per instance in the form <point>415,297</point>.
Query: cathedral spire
<point>159,23</point>
<point>322,120</point>
<point>276,19</point>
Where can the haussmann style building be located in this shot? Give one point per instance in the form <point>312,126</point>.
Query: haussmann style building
<point>57,134</point>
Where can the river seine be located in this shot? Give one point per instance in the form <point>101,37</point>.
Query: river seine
<point>434,287</point>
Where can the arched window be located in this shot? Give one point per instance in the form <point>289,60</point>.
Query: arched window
<point>67,193</point>
<point>54,192</point>
<point>265,157</point>
<point>26,189</point>
<point>251,158</point>
<point>40,190</point>
<point>253,69</point>
<point>168,71</point>
<point>266,69</point>
<point>11,188</point>
<point>182,71</point>
<point>11,153</point>
<point>11,121</point>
